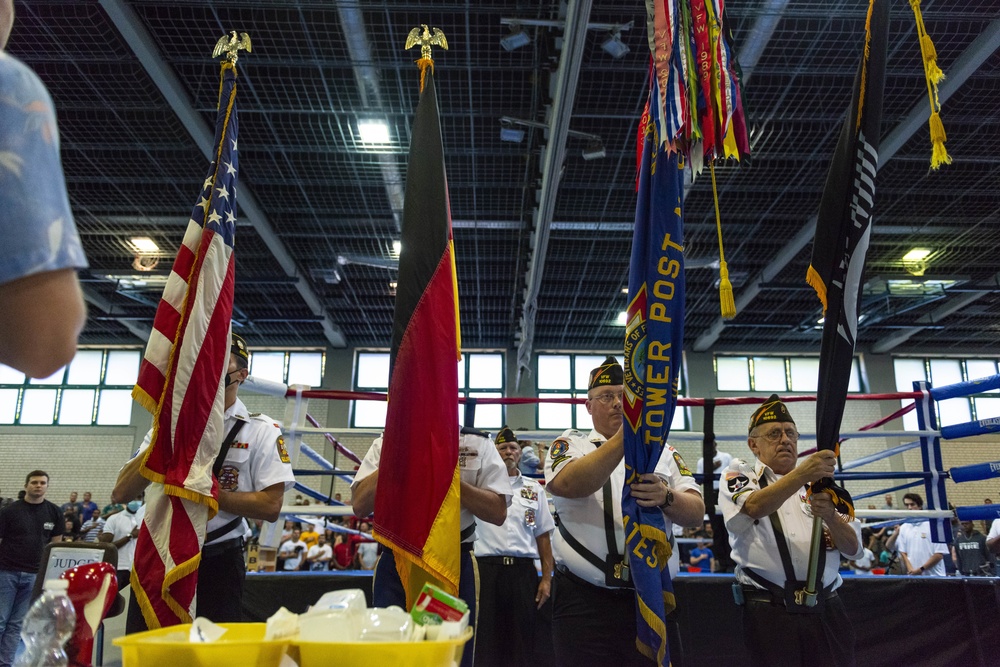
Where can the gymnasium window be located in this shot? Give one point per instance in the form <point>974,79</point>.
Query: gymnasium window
<point>944,371</point>
<point>289,366</point>
<point>94,389</point>
<point>567,376</point>
<point>775,374</point>
<point>480,375</point>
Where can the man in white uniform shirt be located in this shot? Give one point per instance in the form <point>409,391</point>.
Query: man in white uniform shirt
<point>510,590</point>
<point>593,601</point>
<point>122,530</point>
<point>769,516</point>
<point>920,556</point>
<point>253,470</point>
<point>485,494</point>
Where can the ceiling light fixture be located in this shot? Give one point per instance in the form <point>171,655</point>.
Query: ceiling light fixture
<point>622,319</point>
<point>614,46</point>
<point>508,132</point>
<point>397,247</point>
<point>594,150</point>
<point>373,131</point>
<point>516,39</point>
<point>144,244</point>
<point>916,255</point>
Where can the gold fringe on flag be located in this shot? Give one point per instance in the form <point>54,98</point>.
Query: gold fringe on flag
<point>934,76</point>
<point>726,299</point>
<point>423,64</point>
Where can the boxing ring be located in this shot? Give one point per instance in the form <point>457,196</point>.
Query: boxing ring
<point>899,620</point>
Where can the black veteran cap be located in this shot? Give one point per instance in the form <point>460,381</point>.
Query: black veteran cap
<point>239,348</point>
<point>772,412</point>
<point>609,373</point>
<point>505,435</point>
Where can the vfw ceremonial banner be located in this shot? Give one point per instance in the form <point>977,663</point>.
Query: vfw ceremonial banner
<point>180,382</point>
<point>417,501</point>
<point>654,342</point>
<point>844,227</point>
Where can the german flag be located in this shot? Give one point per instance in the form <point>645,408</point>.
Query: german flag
<point>417,502</point>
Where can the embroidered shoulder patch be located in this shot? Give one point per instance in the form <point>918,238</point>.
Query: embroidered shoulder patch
<point>282,452</point>
<point>681,466</point>
<point>559,449</point>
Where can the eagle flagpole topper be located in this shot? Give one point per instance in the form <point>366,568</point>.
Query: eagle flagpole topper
<point>230,46</point>
<point>426,38</point>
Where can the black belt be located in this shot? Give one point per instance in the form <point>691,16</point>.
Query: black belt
<point>211,550</point>
<point>506,560</point>
<point>615,592</point>
<point>752,594</point>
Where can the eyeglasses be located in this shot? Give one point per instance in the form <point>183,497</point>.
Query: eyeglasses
<point>607,398</point>
<point>774,435</point>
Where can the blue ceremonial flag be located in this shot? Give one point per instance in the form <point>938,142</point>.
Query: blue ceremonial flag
<point>654,342</point>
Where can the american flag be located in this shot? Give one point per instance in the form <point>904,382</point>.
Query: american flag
<point>181,383</point>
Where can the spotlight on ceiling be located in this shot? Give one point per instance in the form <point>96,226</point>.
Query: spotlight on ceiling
<point>516,39</point>
<point>397,246</point>
<point>614,46</point>
<point>144,244</point>
<point>373,131</point>
<point>915,261</point>
<point>622,319</point>
<point>594,150</point>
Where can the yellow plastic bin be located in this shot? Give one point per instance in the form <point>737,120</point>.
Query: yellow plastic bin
<point>243,645</point>
<point>446,653</point>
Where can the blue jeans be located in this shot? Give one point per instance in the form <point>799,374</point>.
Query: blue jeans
<point>15,599</point>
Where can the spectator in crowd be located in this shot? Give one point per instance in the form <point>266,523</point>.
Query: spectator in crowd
<point>73,504</point>
<point>354,540</point>
<point>863,566</point>
<point>111,509</point>
<point>87,507</point>
<point>69,527</point>
<point>286,532</point>
<point>25,527</point>
<point>918,555</point>
<point>337,499</point>
<point>366,554</point>
<point>309,535</point>
<point>341,552</point>
<point>971,555</point>
<point>70,514</point>
<point>702,557</point>
<point>319,555</point>
<point>293,552</point>
<point>122,530</point>
<point>298,500</point>
<point>91,529</point>
<point>993,538</point>
<point>720,461</point>
<point>888,502</point>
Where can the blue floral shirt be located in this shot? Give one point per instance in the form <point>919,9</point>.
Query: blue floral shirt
<point>36,224</point>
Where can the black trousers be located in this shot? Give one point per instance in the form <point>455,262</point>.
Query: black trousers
<point>220,590</point>
<point>775,638</point>
<point>594,626</point>
<point>387,590</point>
<point>505,631</point>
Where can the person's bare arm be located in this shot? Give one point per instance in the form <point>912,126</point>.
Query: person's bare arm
<point>890,544</point>
<point>994,544</point>
<point>544,543</point>
<point>763,502</point>
<point>43,315</point>
<point>119,543</point>
<point>363,495</point>
<point>583,476</point>
<point>931,562</point>
<point>264,505</point>
<point>131,483</point>
<point>484,504</point>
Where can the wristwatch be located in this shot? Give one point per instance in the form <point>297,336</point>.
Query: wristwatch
<point>668,501</point>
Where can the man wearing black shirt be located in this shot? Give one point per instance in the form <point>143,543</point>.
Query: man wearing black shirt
<point>25,527</point>
<point>971,556</point>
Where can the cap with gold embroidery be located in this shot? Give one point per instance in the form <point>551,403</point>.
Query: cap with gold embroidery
<point>239,347</point>
<point>609,373</point>
<point>773,411</point>
<point>505,435</point>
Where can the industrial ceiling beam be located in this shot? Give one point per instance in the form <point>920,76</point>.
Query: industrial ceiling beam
<point>559,113</point>
<point>964,66</point>
<point>96,300</point>
<point>145,49</point>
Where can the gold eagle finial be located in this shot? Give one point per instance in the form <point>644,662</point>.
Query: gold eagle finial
<point>426,38</point>
<point>231,45</point>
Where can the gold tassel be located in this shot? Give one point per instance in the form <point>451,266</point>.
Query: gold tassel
<point>424,64</point>
<point>933,75</point>
<point>939,154</point>
<point>726,299</point>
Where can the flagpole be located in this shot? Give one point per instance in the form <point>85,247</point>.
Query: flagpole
<point>807,596</point>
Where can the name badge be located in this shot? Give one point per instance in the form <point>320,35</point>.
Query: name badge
<point>469,459</point>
